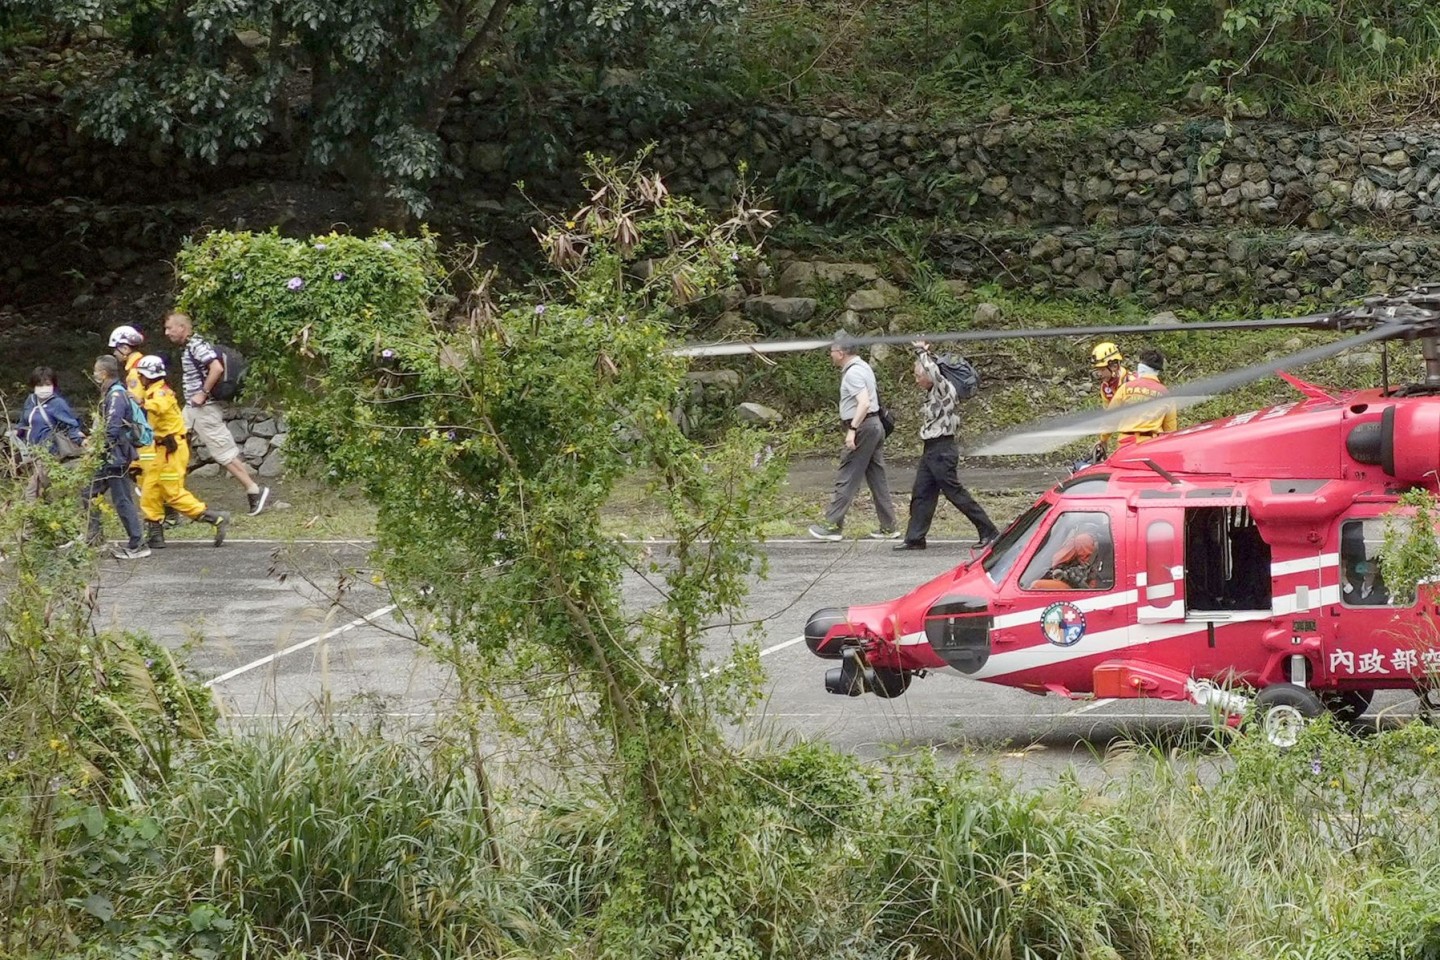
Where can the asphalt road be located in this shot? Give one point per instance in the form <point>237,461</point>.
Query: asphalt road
<point>272,640</point>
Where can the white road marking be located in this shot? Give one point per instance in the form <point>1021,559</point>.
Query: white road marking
<point>1093,705</point>
<point>781,646</point>
<point>360,621</point>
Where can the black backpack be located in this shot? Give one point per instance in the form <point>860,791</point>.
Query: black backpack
<point>961,373</point>
<point>232,380</point>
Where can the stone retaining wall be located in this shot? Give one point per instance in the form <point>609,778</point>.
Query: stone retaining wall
<point>1016,173</point>
<point>1196,172</point>
<point>1190,267</point>
<point>261,436</point>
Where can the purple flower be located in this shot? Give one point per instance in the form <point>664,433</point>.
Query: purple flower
<point>387,354</point>
<point>319,246</point>
<point>735,257</point>
<point>339,276</point>
<point>295,283</point>
<point>539,309</point>
<point>149,662</point>
<point>385,245</point>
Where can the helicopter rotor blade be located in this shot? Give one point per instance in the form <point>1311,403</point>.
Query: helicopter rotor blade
<point>1050,435</point>
<point>734,349</point>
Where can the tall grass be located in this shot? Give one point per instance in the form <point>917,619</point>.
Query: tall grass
<point>330,843</point>
<point>344,844</point>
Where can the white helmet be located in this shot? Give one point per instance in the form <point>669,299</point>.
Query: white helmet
<point>151,367</point>
<point>126,335</point>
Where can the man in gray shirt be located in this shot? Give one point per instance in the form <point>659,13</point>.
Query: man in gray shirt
<point>864,455</point>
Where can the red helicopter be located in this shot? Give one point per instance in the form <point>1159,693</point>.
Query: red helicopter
<point>1232,556</point>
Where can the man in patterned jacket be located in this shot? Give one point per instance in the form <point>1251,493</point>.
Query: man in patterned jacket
<point>937,472</point>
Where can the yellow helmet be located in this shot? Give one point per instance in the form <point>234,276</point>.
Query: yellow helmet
<point>1104,354</point>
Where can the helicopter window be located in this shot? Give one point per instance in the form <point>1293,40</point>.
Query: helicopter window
<point>1013,541</point>
<point>1094,484</point>
<point>1211,492</point>
<point>1159,561</point>
<point>1227,563</point>
<point>1078,553</point>
<point>1159,495</point>
<point>1361,583</point>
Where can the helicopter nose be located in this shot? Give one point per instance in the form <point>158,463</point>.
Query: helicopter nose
<point>819,625</point>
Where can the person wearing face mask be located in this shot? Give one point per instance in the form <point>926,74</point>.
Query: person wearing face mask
<point>45,418</point>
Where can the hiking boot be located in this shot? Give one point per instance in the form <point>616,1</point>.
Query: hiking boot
<point>172,517</point>
<point>130,553</point>
<point>825,531</point>
<point>219,520</point>
<point>258,500</point>
<point>155,535</point>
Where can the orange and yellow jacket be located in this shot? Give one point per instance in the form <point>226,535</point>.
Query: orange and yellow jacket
<point>1161,419</point>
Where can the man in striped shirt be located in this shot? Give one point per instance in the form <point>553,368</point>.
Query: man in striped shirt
<point>937,472</point>
<point>202,369</point>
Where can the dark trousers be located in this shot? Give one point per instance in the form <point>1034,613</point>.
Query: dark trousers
<point>866,462</point>
<point>937,474</point>
<point>116,481</point>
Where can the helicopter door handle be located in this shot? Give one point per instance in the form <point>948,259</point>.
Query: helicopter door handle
<point>1002,604</point>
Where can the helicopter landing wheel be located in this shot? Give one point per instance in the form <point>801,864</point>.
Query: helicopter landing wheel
<point>890,683</point>
<point>1428,704</point>
<point>1283,711</point>
<point>1348,705</point>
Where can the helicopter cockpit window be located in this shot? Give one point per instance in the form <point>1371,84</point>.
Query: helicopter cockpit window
<point>1013,541</point>
<point>1361,583</point>
<point>1227,562</point>
<point>1092,484</point>
<point>1078,554</point>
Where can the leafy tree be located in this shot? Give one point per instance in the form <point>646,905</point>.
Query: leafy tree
<point>489,438</point>
<point>362,87</point>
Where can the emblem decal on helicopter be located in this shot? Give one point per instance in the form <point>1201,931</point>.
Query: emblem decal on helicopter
<point>1063,624</point>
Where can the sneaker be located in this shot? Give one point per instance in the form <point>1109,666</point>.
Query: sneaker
<point>130,553</point>
<point>884,535</point>
<point>825,531</point>
<point>258,499</point>
<point>910,545</point>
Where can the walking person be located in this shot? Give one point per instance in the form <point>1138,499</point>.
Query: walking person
<point>863,456</point>
<point>125,343</point>
<point>201,368</point>
<point>937,472</point>
<point>162,484</point>
<point>47,422</point>
<point>113,473</point>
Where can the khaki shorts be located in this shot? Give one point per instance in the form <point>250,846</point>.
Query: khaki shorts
<point>208,424</point>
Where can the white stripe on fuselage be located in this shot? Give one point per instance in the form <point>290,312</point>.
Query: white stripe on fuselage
<point>1139,634</point>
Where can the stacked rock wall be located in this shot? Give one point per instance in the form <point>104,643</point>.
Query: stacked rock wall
<point>260,435</point>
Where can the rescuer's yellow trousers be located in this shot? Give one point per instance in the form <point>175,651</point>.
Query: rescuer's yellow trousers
<point>162,483</point>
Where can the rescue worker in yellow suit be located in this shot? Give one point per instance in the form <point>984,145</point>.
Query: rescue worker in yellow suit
<point>1109,368</point>
<point>1145,386</point>
<point>162,484</point>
